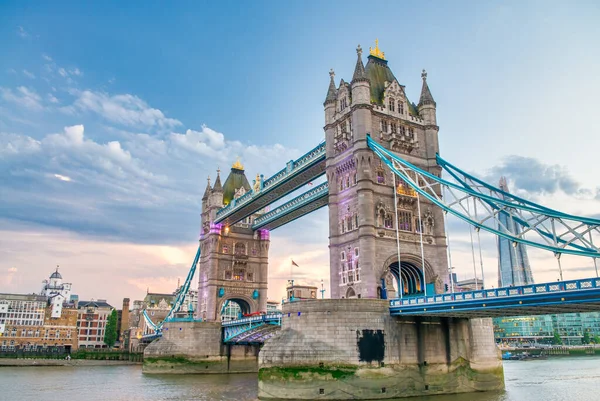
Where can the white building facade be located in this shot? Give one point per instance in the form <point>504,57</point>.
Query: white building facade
<point>58,293</point>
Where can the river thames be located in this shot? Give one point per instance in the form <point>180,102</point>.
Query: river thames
<point>559,379</point>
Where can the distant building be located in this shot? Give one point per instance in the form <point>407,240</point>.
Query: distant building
<point>123,323</point>
<point>513,263</point>
<point>26,324</point>
<point>295,291</point>
<point>58,293</point>
<point>514,270</point>
<point>273,306</point>
<point>91,321</point>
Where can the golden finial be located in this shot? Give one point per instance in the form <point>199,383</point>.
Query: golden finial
<point>376,52</point>
<point>238,165</point>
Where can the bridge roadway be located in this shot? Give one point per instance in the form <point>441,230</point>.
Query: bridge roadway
<point>297,173</point>
<point>535,299</point>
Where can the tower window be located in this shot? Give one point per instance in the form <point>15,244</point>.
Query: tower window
<point>394,128</point>
<point>380,176</point>
<point>392,104</point>
<point>405,220</point>
<point>347,181</point>
<point>400,107</point>
<point>388,222</point>
<point>355,179</point>
<point>356,220</point>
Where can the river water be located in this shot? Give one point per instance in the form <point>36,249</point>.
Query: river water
<point>559,379</point>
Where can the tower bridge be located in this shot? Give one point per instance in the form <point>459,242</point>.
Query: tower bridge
<point>393,316</point>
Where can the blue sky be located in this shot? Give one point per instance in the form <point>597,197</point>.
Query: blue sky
<point>112,115</point>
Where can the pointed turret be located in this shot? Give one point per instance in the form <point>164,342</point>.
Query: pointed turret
<point>331,92</point>
<point>361,86</point>
<point>426,103</point>
<point>207,190</point>
<point>426,97</point>
<point>218,187</point>
<point>359,69</point>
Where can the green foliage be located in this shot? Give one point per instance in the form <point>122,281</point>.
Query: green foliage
<point>110,333</point>
<point>596,339</point>
<point>557,340</point>
<point>586,338</point>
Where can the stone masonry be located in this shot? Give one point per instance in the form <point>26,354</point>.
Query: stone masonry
<point>350,348</point>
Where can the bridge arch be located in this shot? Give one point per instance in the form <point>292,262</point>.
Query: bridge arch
<point>246,305</point>
<point>411,271</point>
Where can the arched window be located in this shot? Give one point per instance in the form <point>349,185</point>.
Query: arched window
<point>341,185</point>
<point>348,181</point>
<point>356,220</point>
<point>343,254</point>
<point>392,104</point>
<point>405,220</point>
<point>380,176</point>
<point>349,222</point>
<point>388,222</point>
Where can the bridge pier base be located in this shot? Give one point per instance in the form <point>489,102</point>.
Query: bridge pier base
<point>196,347</point>
<point>352,348</point>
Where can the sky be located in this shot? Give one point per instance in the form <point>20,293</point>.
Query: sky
<point>113,115</point>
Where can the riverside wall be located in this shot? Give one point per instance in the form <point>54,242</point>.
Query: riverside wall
<point>352,348</point>
<point>197,347</point>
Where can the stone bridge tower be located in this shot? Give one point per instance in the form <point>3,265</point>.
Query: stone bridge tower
<point>234,260</point>
<point>362,212</point>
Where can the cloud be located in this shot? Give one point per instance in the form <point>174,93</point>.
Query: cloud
<point>141,188</point>
<point>22,32</point>
<point>62,177</point>
<point>125,109</point>
<point>46,57</point>
<point>22,96</point>
<point>52,98</point>
<point>531,176</point>
<point>28,74</point>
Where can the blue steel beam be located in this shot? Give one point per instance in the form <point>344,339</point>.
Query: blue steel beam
<point>301,205</point>
<point>535,299</point>
<point>296,174</point>
<point>546,229</point>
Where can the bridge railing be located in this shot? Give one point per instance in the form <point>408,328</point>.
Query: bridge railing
<point>294,203</point>
<point>532,289</point>
<point>269,317</point>
<point>292,167</point>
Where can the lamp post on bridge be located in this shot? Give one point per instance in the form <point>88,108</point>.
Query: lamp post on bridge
<point>322,290</point>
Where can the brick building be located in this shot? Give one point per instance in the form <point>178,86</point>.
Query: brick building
<point>92,317</point>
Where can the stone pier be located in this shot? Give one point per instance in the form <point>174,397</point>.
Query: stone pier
<point>197,347</point>
<point>338,349</point>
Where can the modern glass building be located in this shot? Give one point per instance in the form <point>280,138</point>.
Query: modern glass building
<point>514,269</point>
<point>513,263</point>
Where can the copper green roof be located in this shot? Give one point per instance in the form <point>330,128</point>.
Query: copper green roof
<point>234,181</point>
<point>378,73</point>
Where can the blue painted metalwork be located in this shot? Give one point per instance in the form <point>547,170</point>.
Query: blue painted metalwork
<point>293,168</point>
<point>183,319</point>
<point>306,198</point>
<point>500,301</point>
<point>567,234</point>
<point>234,328</point>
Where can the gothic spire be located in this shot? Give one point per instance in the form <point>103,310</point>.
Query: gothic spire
<point>359,70</point>
<point>426,97</point>
<point>218,187</point>
<point>207,190</point>
<point>331,92</point>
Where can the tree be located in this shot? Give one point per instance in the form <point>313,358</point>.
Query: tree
<point>557,340</point>
<point>596,339</point>
<point>586,338</point>
<point>110,332</point>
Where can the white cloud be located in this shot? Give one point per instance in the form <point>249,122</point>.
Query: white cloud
<point>28,74</point>
<point>47,57</point>
<point>13,144</point>
<point>63,72</point>
<point>24,97</point>
<point>62,177</point>
<point>11,71</point>
<point>52,98</point>
<point>126,109</point>
<point>22,32</point>
<point>75,71</point>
